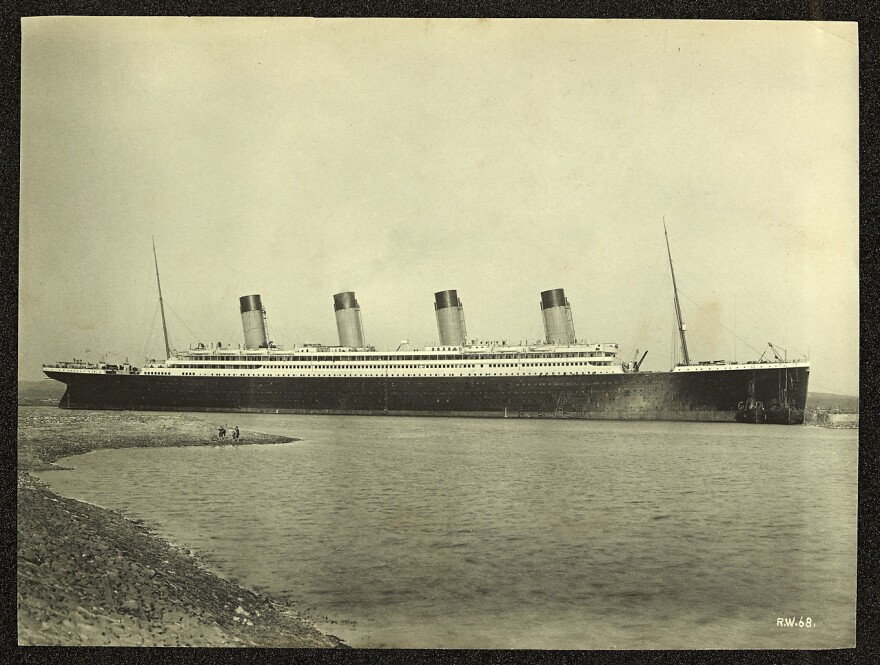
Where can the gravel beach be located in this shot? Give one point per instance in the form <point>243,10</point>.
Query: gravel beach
<point>89,576</point>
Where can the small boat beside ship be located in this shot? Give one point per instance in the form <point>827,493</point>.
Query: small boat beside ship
<point>751,410</point>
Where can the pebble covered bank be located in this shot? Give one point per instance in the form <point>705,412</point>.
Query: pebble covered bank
<point>89,576</point>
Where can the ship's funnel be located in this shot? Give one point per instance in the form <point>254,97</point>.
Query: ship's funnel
<point>348,320</point>
<point>450,318</point>
<point>253,322</point>
<point>558,326</point>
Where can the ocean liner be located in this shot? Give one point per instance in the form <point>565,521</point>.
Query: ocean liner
<point>558,376</point>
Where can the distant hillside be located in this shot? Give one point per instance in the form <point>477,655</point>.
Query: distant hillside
<point>832,401</point>
<point>46,391</point>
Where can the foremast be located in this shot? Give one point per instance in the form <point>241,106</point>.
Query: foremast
<point>161,304</point>
<point>681,326</point>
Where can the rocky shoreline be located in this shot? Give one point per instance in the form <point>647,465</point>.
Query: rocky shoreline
<point>89,576</point>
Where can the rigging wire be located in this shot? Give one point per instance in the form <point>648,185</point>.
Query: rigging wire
<point>760,330</point>
<point>833,391</point>
<point>715,318</point>
<point>198,339</point>
<point>149,332</point>
<point>676,338</point>
<point>650,298</point>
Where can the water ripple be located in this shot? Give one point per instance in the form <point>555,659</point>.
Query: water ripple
<point>555,534</point>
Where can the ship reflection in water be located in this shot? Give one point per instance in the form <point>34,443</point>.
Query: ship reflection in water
<point>439,532</point>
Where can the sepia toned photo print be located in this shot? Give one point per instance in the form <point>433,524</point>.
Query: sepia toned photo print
<point>438,333</point>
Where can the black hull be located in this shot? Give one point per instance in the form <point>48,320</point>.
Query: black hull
<point>691,395</point>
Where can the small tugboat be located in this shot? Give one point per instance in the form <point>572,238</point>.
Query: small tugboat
<point>781,411</point>
<point>783,414</point>
<point>751,410</point>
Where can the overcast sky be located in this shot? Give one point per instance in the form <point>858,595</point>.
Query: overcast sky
<point>300,158</point>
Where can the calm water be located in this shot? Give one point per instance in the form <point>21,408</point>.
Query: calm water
<point>423,532</point>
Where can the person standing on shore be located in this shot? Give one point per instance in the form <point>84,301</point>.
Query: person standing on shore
<point>236,434</point>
